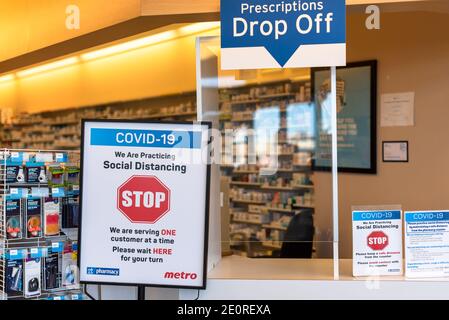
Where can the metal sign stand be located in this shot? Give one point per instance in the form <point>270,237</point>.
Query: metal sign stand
<point>141,292</point>
<point>335,172</point>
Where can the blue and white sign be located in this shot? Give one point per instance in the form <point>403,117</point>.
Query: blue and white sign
<point>257,34</point>
<point>426,244</point>
<point>377,242</point>
<point>142,221</point>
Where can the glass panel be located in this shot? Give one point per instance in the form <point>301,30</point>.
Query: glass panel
<point>275,205</point>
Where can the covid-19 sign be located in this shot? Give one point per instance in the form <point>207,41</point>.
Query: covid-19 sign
<point>377,242</point>
<point>258,34</point>
<point>141,220</point>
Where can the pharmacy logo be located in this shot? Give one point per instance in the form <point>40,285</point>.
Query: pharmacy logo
<point>274,33</point>
<point>103,271</point>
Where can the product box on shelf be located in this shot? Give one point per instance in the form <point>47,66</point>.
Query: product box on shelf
<point>33,217</point>
<point>32,277</point>
<point>14,277</point>
<point>70,275</point>
<point>13,218</point>
<point>56,176</point>
<point>36,173</point>
<point>52,271</point>
<point>51,214</point>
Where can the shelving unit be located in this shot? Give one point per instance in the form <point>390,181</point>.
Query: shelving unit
<point>61,130</point>
<point>58,236</point>
<point>272,245</point>
<point>248,201</point>
<point>247,104</point>
<point>247,184</point>
<point>267,226</point>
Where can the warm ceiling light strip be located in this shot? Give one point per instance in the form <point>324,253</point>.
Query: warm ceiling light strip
<point>48,66</point>
<point>7,77</point>
<point>130,45</point>
<point>149,40</point>
<point>199,27</point>
<point>118,48</point>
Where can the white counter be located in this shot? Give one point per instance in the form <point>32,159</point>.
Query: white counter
<point>243,278</point>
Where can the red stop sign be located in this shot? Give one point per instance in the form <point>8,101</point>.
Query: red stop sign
<point>143,199</point>
<point>377,240</point>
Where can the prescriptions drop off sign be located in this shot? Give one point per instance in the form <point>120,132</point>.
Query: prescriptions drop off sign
<point>142,222</point>
<point>257,34</point>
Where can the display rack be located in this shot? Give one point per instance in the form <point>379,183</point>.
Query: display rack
<point>262,206</point>
<point>39,193</point>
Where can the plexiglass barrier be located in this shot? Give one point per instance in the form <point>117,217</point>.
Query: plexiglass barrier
<point>273,160</point>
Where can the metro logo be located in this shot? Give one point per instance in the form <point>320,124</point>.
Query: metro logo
<point>181,275</point>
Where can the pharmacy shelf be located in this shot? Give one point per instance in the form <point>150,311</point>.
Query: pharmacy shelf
<point>249,212</point>
<point>244,102</point>
<point>160,115</point>
<point>260,213</point>
<point>289,154</point>
<point>280,210</point>
<point>246,221</point>
<point>285,170</point>
<point>303,206</point>
<point>11,140</point>
<point>246,172</point>
<point>242,120</point>
<point>248,201</point>
<point>304,186</point>
<point>63,123</point>
<point>270,244</point>
<point>277,95</point>
<point>246,184</point>
<point>268,226</point>
<point>275,188</point>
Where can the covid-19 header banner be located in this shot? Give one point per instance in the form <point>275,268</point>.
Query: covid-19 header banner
<point>257,34</point>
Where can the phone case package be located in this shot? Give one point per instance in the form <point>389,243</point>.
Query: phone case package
<point>70,213</point>
<point>32,278</point>
<point>13,219</point>
<point>52,271</point>
<point>14,277</point>
<point>14,174</point>
<point>33,217</point>
<point>52,213</point>
<point>36,174</point>
<point>69,269</point>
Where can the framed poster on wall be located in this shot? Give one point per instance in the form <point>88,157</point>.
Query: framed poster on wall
<point>356,117</point>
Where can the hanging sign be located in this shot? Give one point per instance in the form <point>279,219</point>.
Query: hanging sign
<point>377,242</point>
<point>144,203</point>
<point>257,34</point>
